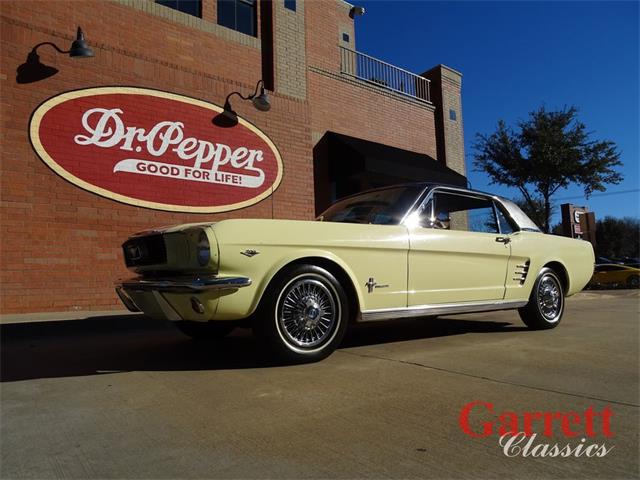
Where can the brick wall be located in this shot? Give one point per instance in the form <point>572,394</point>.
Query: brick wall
<point>290,50</point>
<point>354,108</point>
<point>349,106</point>
<point>453,127</point>
<point>446,94</point>
<point>322,21</point>
<point>60,247</point>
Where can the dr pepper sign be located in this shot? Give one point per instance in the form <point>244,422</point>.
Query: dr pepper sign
<point>155,149</point>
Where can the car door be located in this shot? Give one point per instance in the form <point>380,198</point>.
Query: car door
<point>456,251</point>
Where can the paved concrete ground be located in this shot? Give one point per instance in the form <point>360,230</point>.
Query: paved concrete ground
<point>126,397</point>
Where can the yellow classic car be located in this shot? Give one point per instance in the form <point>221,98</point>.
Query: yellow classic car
<point>613,275</point>
<point>403,251</point>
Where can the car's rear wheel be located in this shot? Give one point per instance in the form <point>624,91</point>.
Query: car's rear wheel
<point>303,315</point>
<point>633,281</point>
<point>206,330</point>
<point>546,302</point>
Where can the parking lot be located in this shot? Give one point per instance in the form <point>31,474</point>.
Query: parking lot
<point>126,397</point>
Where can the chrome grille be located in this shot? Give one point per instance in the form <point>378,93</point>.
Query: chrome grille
<point>520,274</point>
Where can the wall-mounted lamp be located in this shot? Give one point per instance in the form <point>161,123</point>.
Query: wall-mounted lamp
<point>259,99</point>
<point>33,70</point>
<point>356,12</point>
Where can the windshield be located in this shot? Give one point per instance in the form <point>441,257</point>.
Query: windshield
<point>379,207</point>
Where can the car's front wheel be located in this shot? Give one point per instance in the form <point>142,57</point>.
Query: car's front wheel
<point>546,302</point>
<point>303,314</point>
<point>633,281</point>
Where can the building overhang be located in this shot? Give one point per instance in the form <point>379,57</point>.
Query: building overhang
<point>391,161</point>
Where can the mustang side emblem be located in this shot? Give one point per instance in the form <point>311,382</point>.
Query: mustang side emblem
<point>250,253</point>
<point>371,284</point>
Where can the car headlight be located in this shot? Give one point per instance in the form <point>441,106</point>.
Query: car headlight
<point>203,249</point>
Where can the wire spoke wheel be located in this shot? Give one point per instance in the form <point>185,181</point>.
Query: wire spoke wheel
<point>308,311</point>
<point>546,302</point>
<point>549,298</point>
<point>303,314</point>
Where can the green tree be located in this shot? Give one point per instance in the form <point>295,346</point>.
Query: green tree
<point>618,237</point>
<point>548,151</point>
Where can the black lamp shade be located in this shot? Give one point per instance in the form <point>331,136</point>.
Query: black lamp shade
<point>230,115</point>
<point>79,47</point>
<point>227,118</point>
<point>261,102</point>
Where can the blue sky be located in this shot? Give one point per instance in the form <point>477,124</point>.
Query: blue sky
<point>516,56</point>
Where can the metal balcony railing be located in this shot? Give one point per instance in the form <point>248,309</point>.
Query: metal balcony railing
<point>384,75</point>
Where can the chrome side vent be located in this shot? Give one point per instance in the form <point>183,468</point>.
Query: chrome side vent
<point>520,274</point>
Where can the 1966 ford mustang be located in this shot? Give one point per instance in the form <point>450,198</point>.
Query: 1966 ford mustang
<point>402,251</point>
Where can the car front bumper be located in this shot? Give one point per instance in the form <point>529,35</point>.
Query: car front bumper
<point>177,298</point>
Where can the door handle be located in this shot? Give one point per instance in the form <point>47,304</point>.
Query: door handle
<point>504,240</point>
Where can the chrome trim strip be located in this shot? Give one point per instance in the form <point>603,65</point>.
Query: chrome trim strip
<point>127,300</point>
<point>432,189</point>
<point>418,201</point>
<point>184,284</point>
<point>440,309</point>
<point>523,223</point>
<point>495,215</point>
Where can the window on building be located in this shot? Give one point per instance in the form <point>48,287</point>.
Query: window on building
<point>239,15</point>
<point>191,7</point>
<point>345,37</point>
<point>452,115</point>
<point>290,4</point>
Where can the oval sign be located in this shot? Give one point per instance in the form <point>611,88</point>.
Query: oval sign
<point>155,149</point>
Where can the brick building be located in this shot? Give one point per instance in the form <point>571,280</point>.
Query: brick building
<point>341,121</point>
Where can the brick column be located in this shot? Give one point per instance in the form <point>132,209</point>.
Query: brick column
<point>290,50</point>
<point>446,87</point>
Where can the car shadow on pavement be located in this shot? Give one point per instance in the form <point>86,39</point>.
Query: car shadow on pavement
<point>112,344</point>
<point>401,330</point>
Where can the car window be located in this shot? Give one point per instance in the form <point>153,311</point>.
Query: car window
<point>464,213</point>
<point>506,226</point>
<point>379,207</point>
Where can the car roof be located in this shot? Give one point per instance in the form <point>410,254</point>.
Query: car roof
<point>517,215</point>
<point>423,185</point>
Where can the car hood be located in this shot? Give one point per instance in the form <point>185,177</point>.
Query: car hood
<point>172,228</point>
